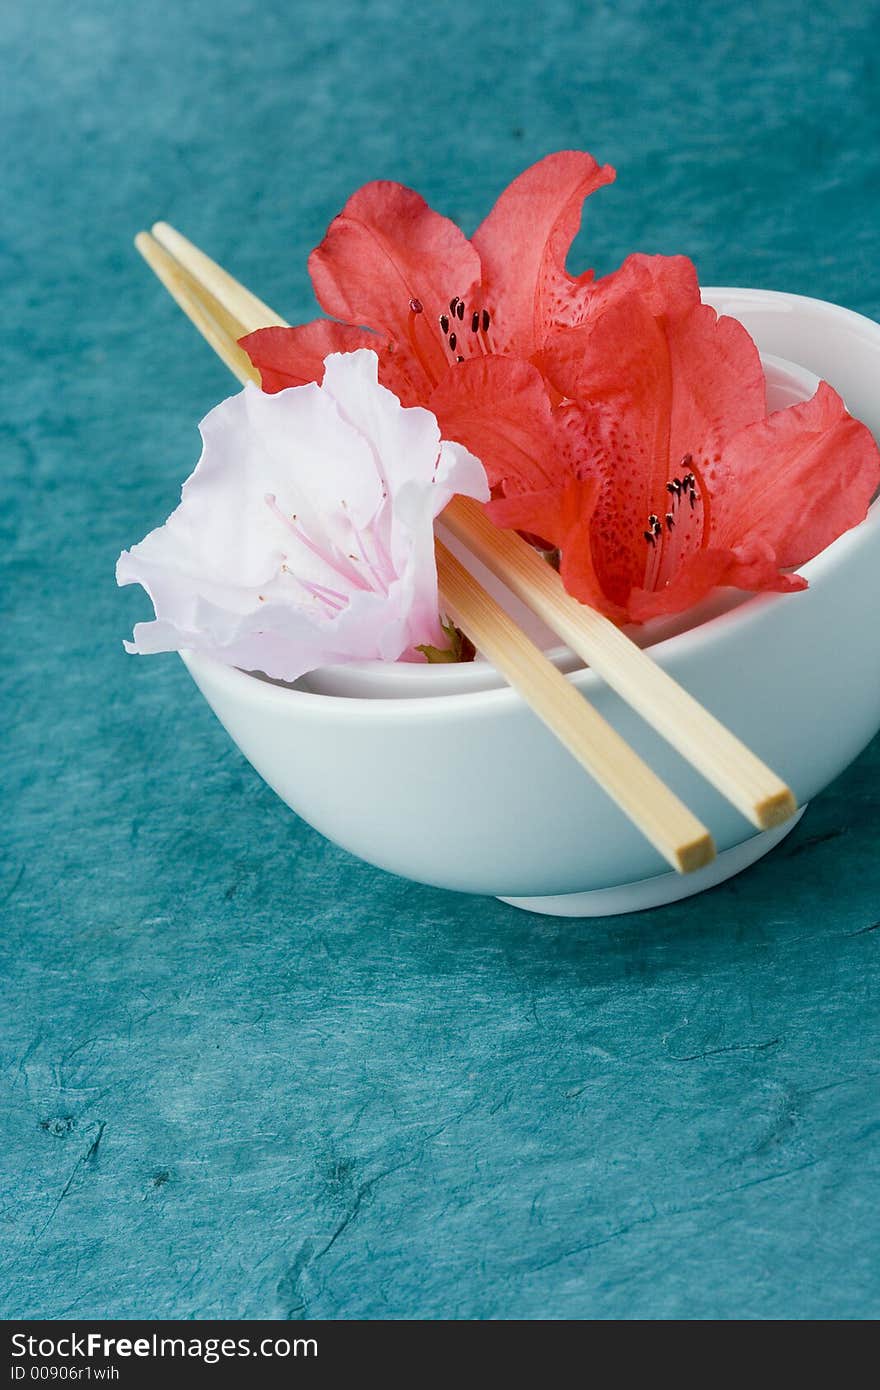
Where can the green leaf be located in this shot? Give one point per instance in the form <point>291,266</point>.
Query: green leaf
<point>459,649</point>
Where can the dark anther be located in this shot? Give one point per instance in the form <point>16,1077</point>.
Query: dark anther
<point>459,308</point>
<point>693,497</point>
<point>444,322</point>
<point>452,341</point>
<point>453,304</point>
<point>416,305</point>
<point>670,521</point>
<point>649,536</point>
<point>475,322</point>
<point>459,358</point>
<point>657,528</point>
<point>486,320</point>
<point>652,519</point>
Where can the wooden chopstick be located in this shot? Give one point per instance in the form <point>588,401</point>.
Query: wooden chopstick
<point>662,817</point>
<point>212,320</point>
<point>220,285</point>
<point>598,747</point>
<point>721,757</point>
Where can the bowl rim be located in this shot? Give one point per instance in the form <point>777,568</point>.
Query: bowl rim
<point>241,685</point>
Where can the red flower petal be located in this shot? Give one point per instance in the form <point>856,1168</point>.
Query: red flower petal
<point>668,285</point>
<point>569,515</point>
<point>660,388</point>
<point>752,567</point>
<point>564,515</point>
<point>387,250</point>
<point>771,492</point>
<point>647,326</point>
<point>523,244</point>
<point>292,356</point>
<point>498,408</point>
<point>796,480</point>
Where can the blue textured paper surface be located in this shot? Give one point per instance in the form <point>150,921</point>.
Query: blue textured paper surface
<point>244,1074</point>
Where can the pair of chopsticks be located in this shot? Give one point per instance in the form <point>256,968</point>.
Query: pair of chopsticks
<point>224,311</point>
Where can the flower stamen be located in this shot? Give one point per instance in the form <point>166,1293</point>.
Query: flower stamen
<point>335,601</point>
<point>666,551</point>
<point>330,555</point>
<point>479,328</point>
<point>421,351</point>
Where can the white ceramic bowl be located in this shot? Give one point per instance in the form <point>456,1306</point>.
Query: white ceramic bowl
<point>469,791</point>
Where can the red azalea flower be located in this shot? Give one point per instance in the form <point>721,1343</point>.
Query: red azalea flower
<point>670,477</point>
<point>408,283</point>
<point>529,432</point>
<point>619,420</point>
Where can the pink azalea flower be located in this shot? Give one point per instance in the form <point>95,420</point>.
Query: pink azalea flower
<point>304,537</point>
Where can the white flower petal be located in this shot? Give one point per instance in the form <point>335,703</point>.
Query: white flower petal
<point>304,537</point>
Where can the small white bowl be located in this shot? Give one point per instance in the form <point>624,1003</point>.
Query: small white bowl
<point>466,789</point>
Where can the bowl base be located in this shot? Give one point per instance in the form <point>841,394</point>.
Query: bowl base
<point>663,888</point>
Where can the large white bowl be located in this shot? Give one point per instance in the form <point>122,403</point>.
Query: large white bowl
<point>469,790</point>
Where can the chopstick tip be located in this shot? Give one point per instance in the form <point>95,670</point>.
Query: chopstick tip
<point>695,855</point>
<point>775,809</point>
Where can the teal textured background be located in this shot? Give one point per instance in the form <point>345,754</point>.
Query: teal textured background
<point>244,1074</point>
